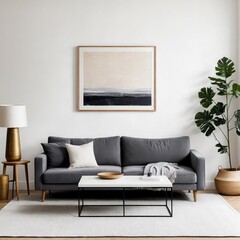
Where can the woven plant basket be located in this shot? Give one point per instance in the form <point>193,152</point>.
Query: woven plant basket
<point>227,181</point>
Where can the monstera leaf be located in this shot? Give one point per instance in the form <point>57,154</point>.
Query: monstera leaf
<point>218,109</point>
<point>222,148</point>
<point>235,90</point>
<point>222,85</point>
<point>206,95</point>
<point>219,121</point>
<point>204,121</point>
<point>225,67</point>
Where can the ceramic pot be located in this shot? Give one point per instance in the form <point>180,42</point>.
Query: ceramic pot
<point>227,181</point>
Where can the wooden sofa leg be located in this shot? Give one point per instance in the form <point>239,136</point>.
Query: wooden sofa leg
<point>195,195</point>
<point>43,195</point>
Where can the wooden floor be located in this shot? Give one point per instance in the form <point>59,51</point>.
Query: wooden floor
<point>234,201</point>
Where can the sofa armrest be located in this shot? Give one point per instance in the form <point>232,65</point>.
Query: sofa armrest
<point>40,166</point>
<point>198,165</point>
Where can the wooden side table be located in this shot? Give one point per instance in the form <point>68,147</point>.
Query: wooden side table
<point>15,165</point>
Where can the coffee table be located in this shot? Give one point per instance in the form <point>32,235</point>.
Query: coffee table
<point>123,183</point>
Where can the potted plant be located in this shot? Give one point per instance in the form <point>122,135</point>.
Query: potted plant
<point>218,117</point>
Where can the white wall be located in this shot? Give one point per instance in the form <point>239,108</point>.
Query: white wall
<point>38,65</point>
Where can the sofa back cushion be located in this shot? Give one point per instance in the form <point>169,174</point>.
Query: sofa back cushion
<point>106,150</point>
<point>141,151</point>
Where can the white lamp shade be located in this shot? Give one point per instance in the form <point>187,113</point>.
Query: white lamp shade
<point>13,116</point>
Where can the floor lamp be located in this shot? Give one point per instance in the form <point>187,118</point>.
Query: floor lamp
<point>13,117</point>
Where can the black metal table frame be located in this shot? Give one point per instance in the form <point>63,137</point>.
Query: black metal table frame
<point>166,189</point>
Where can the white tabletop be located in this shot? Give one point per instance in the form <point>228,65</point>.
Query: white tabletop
<point>124,181</point>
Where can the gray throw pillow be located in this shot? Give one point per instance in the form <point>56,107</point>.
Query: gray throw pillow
<point>57,155</point>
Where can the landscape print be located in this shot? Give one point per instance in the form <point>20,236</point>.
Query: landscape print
<point>117,78</point>
<point>117,97</point>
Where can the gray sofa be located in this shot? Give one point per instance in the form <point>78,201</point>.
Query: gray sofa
<point>122,154</point>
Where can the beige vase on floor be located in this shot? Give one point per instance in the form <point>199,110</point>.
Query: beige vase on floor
<point>227,181</point>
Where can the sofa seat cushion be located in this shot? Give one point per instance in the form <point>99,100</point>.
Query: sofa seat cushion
<point>72,176</point>
<point>184,174</point>
<point>133,170</point>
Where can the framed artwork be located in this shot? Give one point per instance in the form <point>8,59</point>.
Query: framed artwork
<point>117,78</point>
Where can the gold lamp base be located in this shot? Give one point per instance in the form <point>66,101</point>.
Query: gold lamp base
<point>13,150</point>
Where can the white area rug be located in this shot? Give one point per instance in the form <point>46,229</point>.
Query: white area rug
<point>209,216</point>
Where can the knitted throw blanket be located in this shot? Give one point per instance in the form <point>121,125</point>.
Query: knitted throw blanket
<point>162,168</point>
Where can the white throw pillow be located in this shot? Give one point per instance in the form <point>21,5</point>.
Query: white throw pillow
<point>81,156</point>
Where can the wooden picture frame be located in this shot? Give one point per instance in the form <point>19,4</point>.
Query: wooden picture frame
<point>117,78</point>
